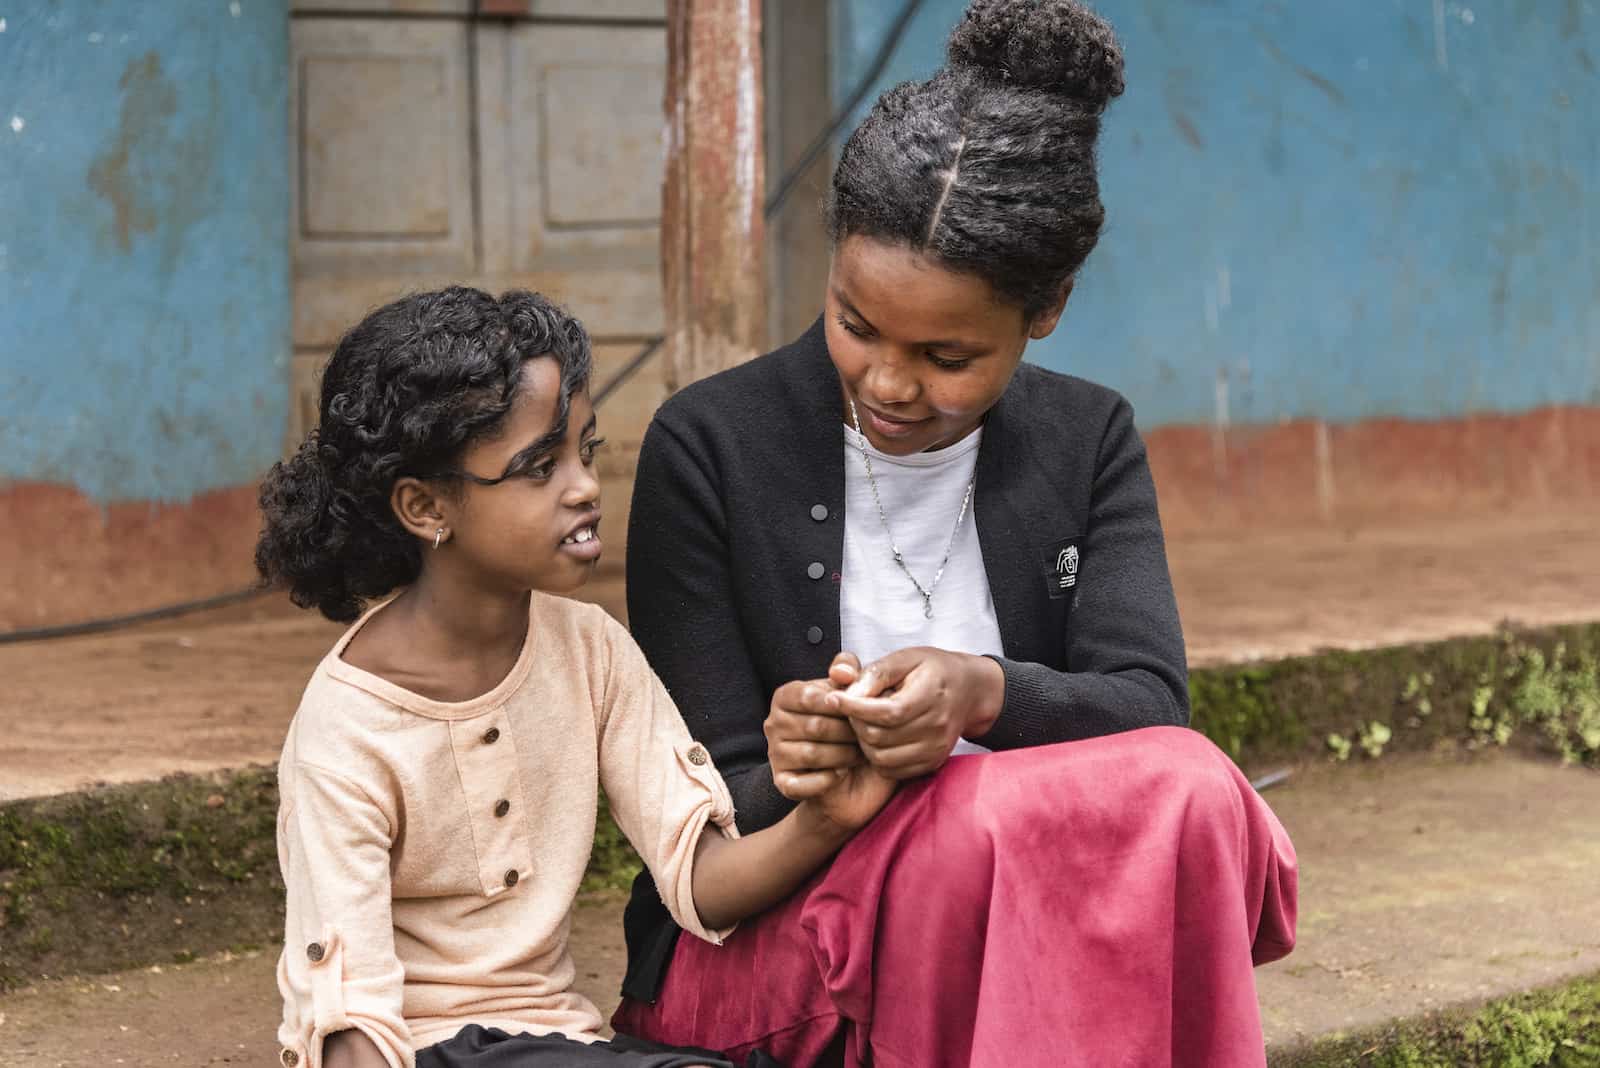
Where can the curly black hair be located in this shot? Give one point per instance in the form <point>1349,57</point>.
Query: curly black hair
<point>405,393</point>
<point>990,164</point>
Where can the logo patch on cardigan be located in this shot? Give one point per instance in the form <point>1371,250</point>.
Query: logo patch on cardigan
<point>1062,562</point>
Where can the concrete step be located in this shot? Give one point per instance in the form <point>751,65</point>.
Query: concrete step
<point>1427,882</point>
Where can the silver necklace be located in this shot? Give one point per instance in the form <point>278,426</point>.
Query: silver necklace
<point>900,560</point>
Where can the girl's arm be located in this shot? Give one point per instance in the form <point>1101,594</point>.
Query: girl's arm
<point>739,877</point>
<point>339,972</point>
<point>665,794</point>
<point>351,1049</point>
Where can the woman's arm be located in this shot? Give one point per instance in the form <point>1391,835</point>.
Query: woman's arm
<point>683,612</point>
<point>1124,654</point>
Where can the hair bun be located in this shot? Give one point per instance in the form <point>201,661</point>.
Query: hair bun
<point>1056,45</point>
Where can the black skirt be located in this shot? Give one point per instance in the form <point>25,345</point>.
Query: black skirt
<point>479,1047</point>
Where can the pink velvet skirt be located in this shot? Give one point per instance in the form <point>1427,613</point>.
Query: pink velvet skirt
<point>1100,903</point>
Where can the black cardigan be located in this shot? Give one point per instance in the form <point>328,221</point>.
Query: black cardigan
<point>740,490</point>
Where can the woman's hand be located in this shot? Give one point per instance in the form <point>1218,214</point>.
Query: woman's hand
<point>911,707</point>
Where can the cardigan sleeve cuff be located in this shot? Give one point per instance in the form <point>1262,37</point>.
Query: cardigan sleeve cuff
<point>757,804</point>
<point>1025,713</point>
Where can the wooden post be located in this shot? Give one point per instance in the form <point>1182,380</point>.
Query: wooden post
<point>712,230</point>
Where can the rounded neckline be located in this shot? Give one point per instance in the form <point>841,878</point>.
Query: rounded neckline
<point>938,458</point>
<point>344,671</point>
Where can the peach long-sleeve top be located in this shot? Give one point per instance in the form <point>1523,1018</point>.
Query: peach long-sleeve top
<point>433,851</point>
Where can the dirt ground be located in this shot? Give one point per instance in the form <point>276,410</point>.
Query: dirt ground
<point>220,1010</point>
<point>217,689</point>
<point>1425,881</point>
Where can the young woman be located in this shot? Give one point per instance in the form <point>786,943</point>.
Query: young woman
<point>1067,876</point>
<point>438,784</point>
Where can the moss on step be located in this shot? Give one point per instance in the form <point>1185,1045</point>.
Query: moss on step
<point>1532,687</point>
<point>1557,1026</point>
<point>120,877</point>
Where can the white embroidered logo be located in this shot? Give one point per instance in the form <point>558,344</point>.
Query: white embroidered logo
<point>1067,567</point>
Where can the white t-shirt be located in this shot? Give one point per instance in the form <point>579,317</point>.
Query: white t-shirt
<point>879,609</point>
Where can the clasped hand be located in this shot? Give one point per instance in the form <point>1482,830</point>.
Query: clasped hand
<point>899,718</point>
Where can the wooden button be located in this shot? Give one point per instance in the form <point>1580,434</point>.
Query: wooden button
<point>698,756</point>
<point>512,877</point>
<point>315,953</point>
<point>501,807</point>
<point>491,736</point>
<point>289,1058</point>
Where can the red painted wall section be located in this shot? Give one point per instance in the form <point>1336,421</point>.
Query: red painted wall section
<point>1307,473</point>
<point>69,558</point>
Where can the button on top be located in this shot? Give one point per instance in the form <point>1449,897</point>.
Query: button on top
<point>819,512</point>
<point>491,736</point>
<point>512,877</point>
<point>814,635</point>
<point>315,952</point>
<point>698,756</point>
<point>501,807</point>
<point>816,570</point>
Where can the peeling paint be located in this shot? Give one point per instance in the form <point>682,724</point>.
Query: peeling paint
<point>1323,451</point>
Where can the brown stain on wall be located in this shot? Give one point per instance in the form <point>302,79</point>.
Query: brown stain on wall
<point>149,101</point>
<point>156,172</point>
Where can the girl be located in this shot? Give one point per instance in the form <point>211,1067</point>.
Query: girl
<point>439,779</point>
<point>1066,876</point>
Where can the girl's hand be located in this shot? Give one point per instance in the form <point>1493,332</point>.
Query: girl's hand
<point>805,726</point>
<point>911,707</point>
<point>849,801</point>
<point>808,738</point>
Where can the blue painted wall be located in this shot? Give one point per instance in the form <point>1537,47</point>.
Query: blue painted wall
<point>144,278</point>
<point>1331,210</point>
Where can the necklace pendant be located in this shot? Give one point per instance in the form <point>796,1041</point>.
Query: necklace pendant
<point>927,607</point>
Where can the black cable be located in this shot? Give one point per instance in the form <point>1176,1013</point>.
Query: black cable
<point>786,186</point>
<point>94,626</point>
<point>819,144</point>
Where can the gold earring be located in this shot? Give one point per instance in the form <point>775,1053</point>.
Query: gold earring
<point>438,536</point>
